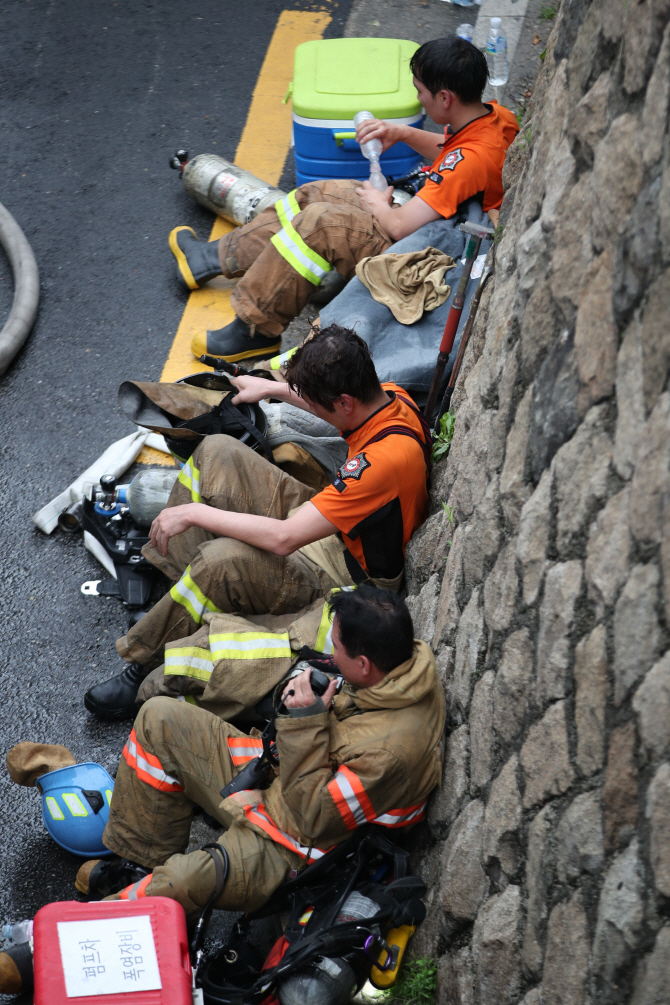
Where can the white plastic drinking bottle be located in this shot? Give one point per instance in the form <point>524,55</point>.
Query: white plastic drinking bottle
<point>373,151</point>
<point>496,53</point>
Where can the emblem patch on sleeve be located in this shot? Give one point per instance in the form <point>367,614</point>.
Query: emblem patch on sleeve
<point>354,467</point>
<point>437,178</point>
<point>453,158</point>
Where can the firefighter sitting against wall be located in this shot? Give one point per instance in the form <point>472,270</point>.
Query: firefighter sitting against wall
<point>370,754</point>
<point>287,250</point>
<point>241,536</point>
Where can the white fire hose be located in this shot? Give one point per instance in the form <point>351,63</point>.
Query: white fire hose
<point>26,288</point>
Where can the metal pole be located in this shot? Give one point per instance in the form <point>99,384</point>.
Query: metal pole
<point>451,327</point>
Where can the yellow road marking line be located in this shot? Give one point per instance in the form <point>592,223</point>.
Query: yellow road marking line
<point>262,149</point>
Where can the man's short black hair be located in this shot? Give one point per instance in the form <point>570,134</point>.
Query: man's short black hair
<point>374,623</point>
<point>451,64</point>
<point>333,362</point>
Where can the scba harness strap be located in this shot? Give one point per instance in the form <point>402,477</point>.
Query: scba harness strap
<point>316,926</point>
<point>426,443</point>
<point>223,418</point>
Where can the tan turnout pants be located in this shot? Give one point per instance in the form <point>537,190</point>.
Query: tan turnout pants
<point>182,751</point>
<point>330,222</point>
<point>219,573</point>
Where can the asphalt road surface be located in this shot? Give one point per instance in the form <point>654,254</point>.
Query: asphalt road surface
<point>95,98</point>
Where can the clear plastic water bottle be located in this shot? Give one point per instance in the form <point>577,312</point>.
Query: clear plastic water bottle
<point>373,151</point>
<point>20,931</point>
<point>465,31</point>
<point>496,53</point>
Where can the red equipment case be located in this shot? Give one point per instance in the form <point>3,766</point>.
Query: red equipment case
<point>168,927</point>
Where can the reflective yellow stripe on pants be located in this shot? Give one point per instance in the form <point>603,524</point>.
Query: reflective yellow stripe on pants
<point>193,661</point>
<point>293,249</point>
<point>190,662</point>
<point>187,593</point>
<point>287,208</point>
<point>189,476</point>
<point>277,362</point>
<point>249,646</point>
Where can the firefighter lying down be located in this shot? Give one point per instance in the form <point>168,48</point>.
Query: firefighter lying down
<point>370,754</point>
<point>241,536</point>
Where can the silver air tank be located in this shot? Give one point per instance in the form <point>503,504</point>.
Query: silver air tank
<point>226,189</point>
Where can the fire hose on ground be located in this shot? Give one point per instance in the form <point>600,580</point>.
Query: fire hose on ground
<point>26,288</point>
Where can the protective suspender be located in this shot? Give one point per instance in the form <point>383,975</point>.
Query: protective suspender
<point>426,443</point>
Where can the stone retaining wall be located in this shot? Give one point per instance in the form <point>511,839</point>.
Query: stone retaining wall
<point>547,602</point>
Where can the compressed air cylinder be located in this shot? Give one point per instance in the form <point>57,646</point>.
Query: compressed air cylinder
<point>226,189</point>
<point>148,494</point>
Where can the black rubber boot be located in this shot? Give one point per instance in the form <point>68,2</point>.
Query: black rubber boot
<point>235,342</point>
<point>114,699</point>
<point>102,877</point>
<point>16,969</point>
<point>197,261</point>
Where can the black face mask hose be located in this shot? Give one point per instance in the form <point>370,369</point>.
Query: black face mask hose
<point>222,867</point>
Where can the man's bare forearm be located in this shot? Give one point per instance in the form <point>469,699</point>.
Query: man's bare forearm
<point>281,537</point>
<point>281,390</point>
<point>262,531</point>
<point>425,143</point>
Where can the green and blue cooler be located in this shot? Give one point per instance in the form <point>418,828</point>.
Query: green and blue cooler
<point>335,78</point>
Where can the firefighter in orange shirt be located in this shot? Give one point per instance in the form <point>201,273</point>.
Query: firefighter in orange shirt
<point>241,536</point>
<point>287,250</point>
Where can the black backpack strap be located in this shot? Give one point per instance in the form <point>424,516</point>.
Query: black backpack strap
<point>214,421</point>
<point>424,425</point>
<point>404,431</point>
<point>425,442</point>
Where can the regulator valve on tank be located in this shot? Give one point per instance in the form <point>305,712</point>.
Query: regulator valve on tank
<point>143,498</point>
<point>224,188</point>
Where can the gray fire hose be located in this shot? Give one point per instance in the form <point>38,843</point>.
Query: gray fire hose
<point>26,288</point>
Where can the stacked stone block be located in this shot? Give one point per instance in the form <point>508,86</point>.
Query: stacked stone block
<point>547,601</point>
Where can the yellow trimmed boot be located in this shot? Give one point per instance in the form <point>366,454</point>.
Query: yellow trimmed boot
<point>197,261</point>
<point>234,342</point>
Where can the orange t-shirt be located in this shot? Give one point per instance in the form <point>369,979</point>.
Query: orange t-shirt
<point>379,496</point>
<point>470,163</point>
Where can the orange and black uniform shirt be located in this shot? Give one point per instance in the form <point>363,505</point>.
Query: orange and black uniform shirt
<point>380,494</point>
<point>470,163</point>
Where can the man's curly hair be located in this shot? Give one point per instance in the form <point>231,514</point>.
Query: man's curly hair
<point>332,362</point>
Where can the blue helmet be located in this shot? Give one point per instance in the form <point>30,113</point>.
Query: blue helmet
<point>75,807</point>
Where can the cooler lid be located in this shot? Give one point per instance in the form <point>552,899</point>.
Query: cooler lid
<point>336,77</point>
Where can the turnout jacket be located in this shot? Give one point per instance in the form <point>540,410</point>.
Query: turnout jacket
<point>374,757</point>
<point>232,662</point>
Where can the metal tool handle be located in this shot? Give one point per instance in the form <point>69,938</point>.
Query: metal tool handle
<point>451,327</point>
